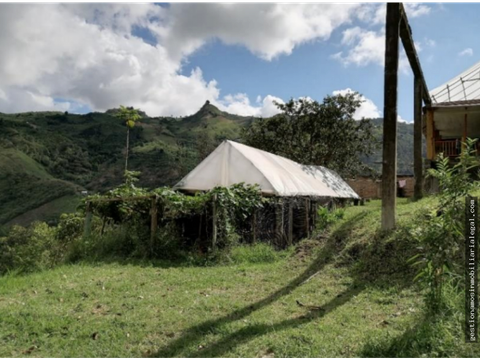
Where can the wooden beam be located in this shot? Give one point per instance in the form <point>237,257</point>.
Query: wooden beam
<point>214,221</point>
<point>254,226</point>
<point>465,128</point>
<point>430,139</point>
<point>307,217</point>
<point>409,46</point>
<point>88,220</point>
<point>290,224</point>
<point>417,139</point>
<point>130,198</point>
<point>153,223</point>
<point>389,168</point>
<point>279,220</point>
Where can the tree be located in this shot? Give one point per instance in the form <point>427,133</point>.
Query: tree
<point>205,143</point>
<point>314,133</point>
<point>129,115</point>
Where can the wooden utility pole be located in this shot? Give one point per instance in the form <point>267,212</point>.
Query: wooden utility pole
<point>279,220</point>
<point>389,168</point>
<point>417,139</point>
<point>307,217</point>
<point>88,219</point>
<point>290,224</point>
<point>214,221</point>
<point>153,223</point>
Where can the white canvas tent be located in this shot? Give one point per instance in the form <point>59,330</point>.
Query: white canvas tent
<point>231,163</point>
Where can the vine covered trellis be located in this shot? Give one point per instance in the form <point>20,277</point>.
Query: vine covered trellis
<point>206,220</point>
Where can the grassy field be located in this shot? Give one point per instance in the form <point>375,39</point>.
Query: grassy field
<point>315,300</point>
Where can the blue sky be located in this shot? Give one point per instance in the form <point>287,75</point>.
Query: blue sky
<point>311,71</point>
<point>170,59</point>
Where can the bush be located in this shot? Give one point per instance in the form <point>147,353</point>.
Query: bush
<point>326,218</point>
<point>29,249</point>
<point>441,232</point>
<point>121,229</point>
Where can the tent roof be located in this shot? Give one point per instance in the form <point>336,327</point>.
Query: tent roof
<point>461,90</point>
<point>231,163</point>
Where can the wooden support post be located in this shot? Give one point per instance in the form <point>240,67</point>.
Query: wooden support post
<point>279,219</point>
<point>417,139</point>
<point>307,217</point>
<point>430,138</point>
<point>389,168</point>
<point>464,131</point>
<point>88,219</point>
<point>214,221</point>
<point>153,223</point>
<point>290,224</point>
<point>254,226</point>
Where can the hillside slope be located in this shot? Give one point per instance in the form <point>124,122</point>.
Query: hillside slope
<point>343,295</point>
<point>25,184</point>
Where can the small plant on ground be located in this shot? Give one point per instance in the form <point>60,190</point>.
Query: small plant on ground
<point>326,217</point>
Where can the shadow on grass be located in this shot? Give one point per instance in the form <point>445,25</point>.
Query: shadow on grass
<point>429,337</point>
<point>192,336</point>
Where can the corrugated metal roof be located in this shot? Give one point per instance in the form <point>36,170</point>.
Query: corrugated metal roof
<point>464,87</point>
<point>462,103</point>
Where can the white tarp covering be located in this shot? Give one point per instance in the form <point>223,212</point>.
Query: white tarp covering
<point>465,86</point>
<point>231,163</point>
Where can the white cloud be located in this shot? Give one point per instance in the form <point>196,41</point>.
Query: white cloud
<point>367,109</point>
<point>268,30</point>
<point>240,104</point>
<point>365,46</point>
<point>375,14</point>
<point>402,120</point>
<point>466,52</point>
<point>68,56</point>
<point>430,42</point>
<point>55,53</point>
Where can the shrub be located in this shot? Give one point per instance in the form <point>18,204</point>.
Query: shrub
<point>441,232</point>
<point>28,249</point>
<point>326,218</point>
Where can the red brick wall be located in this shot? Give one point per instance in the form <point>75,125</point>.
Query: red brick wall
<point>368,188</point>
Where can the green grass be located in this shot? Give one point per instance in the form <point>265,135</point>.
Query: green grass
<point>25,185</point>
<point>49,212</point>
<point>311,301</point>
<point>14,161</point>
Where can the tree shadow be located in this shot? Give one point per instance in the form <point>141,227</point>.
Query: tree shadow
<point>332,246</point>
<point>425,338</point>
<point>245,334</point>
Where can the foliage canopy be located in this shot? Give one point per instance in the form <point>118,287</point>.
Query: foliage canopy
<point>314,133</point>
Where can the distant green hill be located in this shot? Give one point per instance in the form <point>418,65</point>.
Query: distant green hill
<point>404,148</point>
<point>48,158</point>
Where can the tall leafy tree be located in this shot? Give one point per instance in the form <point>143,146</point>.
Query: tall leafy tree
<point>314,133</point>
<point>130,116</point>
